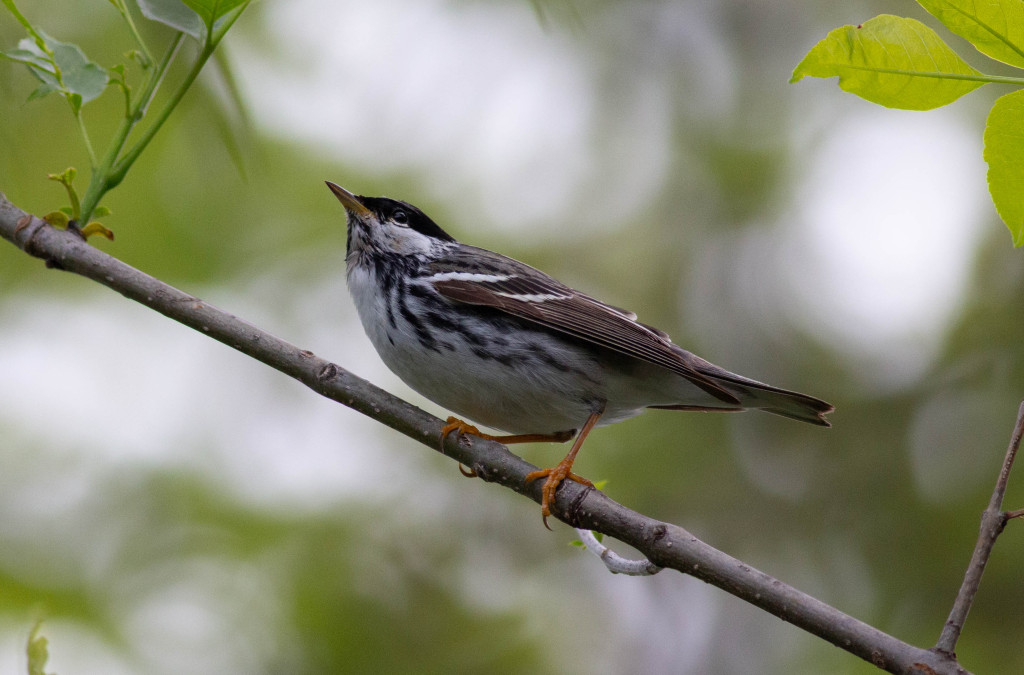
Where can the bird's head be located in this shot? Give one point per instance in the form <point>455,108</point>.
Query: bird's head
<point>378,225</point>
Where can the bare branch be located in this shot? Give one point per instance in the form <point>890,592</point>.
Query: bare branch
<point>664,544</point>
<point>993,520</point>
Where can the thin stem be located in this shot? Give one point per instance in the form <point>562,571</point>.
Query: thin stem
<point>993,520</point>
<point>153,83</point>
<point>121,7</point>
<point>85,137</point>
<point>228,20</point>
<point>99,182</point>
<point>115,165</point>
<point>121,167</point>
<point>13,9</point>
<point>119,170</point>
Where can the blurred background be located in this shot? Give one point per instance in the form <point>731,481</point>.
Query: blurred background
<point>170,506</point>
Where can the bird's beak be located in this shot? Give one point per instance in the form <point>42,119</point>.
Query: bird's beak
<point>349,200</point>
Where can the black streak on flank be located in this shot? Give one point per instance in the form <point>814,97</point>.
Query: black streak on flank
<point>422,334</point>
<point>504,359</point>
<point>442,322</point>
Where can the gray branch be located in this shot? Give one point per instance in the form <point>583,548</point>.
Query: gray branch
<point>664,544</point>
<point>993,520</point>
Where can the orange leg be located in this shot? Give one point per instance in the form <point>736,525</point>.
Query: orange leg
<point>460,427</point>
<point>562,470</point>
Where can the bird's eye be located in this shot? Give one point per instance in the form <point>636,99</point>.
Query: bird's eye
<point>400,217</point>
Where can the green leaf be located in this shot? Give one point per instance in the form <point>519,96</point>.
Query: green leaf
<point>30,57</point>
<point>81,76</point>
<point>996,29</point>
<point>891,61</point>
<point>1004,147</point>
<point>212,10</point>
<point>79,79</point>
<point>176,14</point>
<point>42,90</point>
<point>39,64</point>
<point>226,20</point>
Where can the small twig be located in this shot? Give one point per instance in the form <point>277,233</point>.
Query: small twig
<point>615,563</point>
<point>101,180</point>
<point>993,520</point>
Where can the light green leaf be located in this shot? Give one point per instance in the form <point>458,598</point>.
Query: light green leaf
<point>42,90</point>
<point>38,61</point>
<point>80,79</point>
<point>996,29</point>
<point>1004,147</point>
<point>30,57</point>
<point>891,61</point>
<point>176,14</point>
<point>81,76</point>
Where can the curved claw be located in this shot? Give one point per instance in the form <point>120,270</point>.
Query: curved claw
<point>554,477</point>
<point>467,472</point>
<point>459,427</point>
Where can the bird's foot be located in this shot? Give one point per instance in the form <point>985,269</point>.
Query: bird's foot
<point>554,477</point>
<point>460,427</point>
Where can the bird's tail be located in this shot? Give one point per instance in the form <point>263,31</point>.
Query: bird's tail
<point>792,404</point>
<point>751,394</point>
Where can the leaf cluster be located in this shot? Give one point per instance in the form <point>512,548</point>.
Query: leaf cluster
<point>63,68</point>
<point>901,63</point>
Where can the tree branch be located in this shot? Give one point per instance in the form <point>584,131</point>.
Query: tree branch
<point>664,544</point>
<point>993,520</point>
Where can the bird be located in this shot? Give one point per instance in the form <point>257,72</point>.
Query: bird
<point>502,344</point>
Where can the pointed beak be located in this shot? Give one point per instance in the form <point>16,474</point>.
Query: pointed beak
<point>349,200</point>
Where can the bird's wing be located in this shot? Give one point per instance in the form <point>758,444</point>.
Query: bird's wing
<point>480,277</point>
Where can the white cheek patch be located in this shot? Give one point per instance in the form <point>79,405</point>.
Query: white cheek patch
<point>404,241</point>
